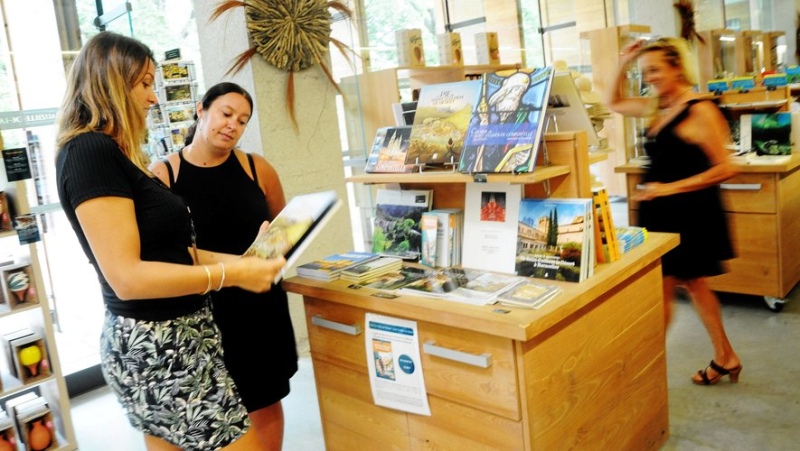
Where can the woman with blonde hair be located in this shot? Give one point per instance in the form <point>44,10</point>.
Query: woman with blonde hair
<point>160,348</point>
<point>688,160</point>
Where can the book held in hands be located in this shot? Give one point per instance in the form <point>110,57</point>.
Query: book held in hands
<point>290,233</point>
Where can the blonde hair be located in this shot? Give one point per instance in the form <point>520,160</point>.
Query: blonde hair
<point>677,54</point>
<point>99,94</point>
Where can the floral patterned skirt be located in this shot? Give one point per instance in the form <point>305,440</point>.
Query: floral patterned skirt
<point>170,378</point>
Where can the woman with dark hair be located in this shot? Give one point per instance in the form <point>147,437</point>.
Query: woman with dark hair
<point>160,348</point>
<point>688,160</point>
<point>231,193</point>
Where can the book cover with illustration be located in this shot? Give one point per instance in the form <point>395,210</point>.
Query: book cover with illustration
<point>483,287</point>
<point>393,150</point>
<point>529,295</point>
<point>441,121</point>
<point>384,360</point>
<point>437,283</point>
<point>398,216</point>
<point>767,134</point>
<point>507,126</point>
<point>295,226</point>
<point>375,149</point>
<point>491,213</point>
<point>395,280</point>
<point>554,239</point>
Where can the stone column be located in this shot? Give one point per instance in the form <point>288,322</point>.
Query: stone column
<point>308,161</point>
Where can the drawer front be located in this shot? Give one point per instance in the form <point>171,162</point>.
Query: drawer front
<point>470,368</point>
<point>453,426</point>
<point>755,270</point>
<point>351,420</point>
<point>745,193</point>
<point>749,193</point>
<point>336,333</point>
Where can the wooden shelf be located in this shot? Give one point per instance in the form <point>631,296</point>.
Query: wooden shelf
<point>7,233</point>
<point>537,176</point>
<point>23,308</point>
<point>12,385</point>
<point>599,155</point>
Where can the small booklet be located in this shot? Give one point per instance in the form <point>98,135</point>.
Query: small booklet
<point>529,295</point>
<point>290,233</point>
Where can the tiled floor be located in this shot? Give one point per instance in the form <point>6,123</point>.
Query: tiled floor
<point>759,413</point>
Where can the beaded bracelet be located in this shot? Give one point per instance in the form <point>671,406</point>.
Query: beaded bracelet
<point>222,281</point>
<point>208,275</point>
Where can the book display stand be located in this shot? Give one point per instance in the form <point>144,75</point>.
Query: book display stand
<point>169,121</point>
<point>30,368</point>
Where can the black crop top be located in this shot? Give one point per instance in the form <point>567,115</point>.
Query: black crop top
<point>91,165</point>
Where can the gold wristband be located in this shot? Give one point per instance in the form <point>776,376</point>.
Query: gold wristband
<point>208,275</point>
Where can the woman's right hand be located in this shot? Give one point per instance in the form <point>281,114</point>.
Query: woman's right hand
<point>631,51</point>
<point>253,273</point>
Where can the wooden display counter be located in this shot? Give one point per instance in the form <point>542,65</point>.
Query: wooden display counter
<point>762,204</point>
<point>588,369</point>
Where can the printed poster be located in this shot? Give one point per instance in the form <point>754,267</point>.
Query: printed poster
<point>394,364</point>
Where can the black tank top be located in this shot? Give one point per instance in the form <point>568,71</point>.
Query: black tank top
<point>228,207</point>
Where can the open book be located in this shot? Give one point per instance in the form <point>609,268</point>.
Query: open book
<point>295,227</point>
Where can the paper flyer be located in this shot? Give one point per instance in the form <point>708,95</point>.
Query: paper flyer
<point>394,364</point>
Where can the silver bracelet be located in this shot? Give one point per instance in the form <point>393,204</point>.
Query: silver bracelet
<point>208,275</point>
<point>222,281</point>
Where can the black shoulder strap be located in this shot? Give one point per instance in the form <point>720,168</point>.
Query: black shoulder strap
<point>169,170</point>
<point>253,167</point>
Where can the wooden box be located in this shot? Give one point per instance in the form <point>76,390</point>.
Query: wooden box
<point>18,285</point>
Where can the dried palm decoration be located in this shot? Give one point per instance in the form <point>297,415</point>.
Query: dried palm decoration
<point>292,35</point>
<point>688,27</point>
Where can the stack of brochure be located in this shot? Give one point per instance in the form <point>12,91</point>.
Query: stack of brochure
<point>529,295</point>
<point>372,269</point>
<point>330,267</point>
<point>630,237</point>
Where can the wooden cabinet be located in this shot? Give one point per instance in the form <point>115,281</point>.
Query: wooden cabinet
<point>762,204</point>
<point>36,317</point>
<point>587,370</point>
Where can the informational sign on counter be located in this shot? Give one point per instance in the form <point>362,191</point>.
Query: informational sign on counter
<point>394,364</point>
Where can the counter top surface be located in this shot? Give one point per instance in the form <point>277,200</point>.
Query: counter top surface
<point>742,166</point>
<point>519,323</point>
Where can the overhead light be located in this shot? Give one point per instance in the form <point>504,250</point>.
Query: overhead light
<point>727,38</point>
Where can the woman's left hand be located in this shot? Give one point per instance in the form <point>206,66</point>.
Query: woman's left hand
<point>650,191</point>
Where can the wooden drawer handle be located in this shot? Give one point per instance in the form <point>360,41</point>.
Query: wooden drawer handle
<point>741,186</point>
<point>348,329</point>
<point>481,361</point>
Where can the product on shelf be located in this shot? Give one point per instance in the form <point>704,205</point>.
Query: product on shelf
<point>409,48</point>
<point>17,284</point>
<point>450,53</point>
<point>487,48</point>
<point>398,216</point>
<point>30,358</point>
<point>508,122</point>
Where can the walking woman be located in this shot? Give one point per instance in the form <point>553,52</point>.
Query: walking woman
<point>688,161</point>
<point>160,348</point>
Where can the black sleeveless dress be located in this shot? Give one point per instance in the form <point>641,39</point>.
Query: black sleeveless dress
<point>228,208</point>
<point>697,215</point>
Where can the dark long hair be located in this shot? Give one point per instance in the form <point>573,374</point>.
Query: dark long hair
<point>216,91</point>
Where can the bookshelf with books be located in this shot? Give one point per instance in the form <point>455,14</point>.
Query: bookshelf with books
<point>30,366</point>
<point>526,345</point>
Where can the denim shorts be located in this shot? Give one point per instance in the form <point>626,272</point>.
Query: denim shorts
<point>170,378</point>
